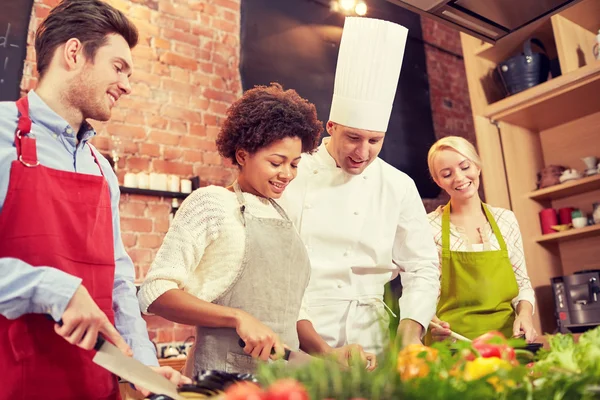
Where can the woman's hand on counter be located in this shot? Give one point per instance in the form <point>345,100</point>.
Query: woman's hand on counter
<point>259,338</point>
<point>174,376</point>
<point>523,324</point>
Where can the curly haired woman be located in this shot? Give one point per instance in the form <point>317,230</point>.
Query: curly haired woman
<point>232,264</point>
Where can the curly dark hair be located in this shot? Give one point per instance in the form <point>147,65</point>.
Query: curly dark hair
<point>264,115</point>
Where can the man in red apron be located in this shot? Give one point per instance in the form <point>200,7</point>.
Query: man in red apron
<point>61,254</point>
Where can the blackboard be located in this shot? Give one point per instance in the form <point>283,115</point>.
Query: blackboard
<point>296,43</point>
<point>14,24</point>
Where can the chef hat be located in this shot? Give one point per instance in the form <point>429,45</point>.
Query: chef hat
<point>367,72</point>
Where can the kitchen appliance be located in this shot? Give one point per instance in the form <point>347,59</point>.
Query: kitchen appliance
<point>577,301</point>
<point>489,20</point>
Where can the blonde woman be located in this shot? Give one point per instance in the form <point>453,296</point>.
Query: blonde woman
<point>484,281</point>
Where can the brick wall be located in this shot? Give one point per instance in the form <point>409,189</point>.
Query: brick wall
<point>450,104</point>
<point>186,75</point>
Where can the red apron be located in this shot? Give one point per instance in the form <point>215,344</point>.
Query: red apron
<point>60,219</point>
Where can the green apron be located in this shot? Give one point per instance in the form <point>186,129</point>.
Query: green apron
<point>476,287</point>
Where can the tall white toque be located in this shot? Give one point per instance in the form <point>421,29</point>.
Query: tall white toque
<point>367,72</point>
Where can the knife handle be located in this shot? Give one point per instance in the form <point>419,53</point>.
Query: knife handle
<point>99,339</point>
<point>286,353</point>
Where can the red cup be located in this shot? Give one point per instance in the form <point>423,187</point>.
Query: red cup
<point>564,215</point>
<point>548,218</point>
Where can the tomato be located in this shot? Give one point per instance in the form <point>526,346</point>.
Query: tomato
<point>287,389</point>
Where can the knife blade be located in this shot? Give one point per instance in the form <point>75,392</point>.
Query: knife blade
<point>293,357</point>
<point>109,357</point>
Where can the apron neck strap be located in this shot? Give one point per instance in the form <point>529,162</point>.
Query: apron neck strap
<point>240,196</point>
<point>25,145</point>
<point>494,226</point>
<point>446,228</point>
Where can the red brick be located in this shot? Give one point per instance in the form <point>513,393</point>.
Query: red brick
<point>102,143</point>
<point>143,52</point>
<point>136,224</point>
<point>180,99</point>
<point>156,322</point>
<point>176,86</point>
<point>181,114</point>
<point>163,138</point>
<point>157,122</point>
<point>169,167</point>
<point>185,50</point>
<point>161,43</point>
<point>172,154</point>
<point>132,209</point>
<point>212,132</point>
<point>139,256</point>
<point>135,118</point>
<point>180,36</point>
<point>191,142</point>
<point>161,226</point>
<point>178,127</point>
<point>182,25</point>
<point>126,131</point>
<point>192,156</point>
<point>150,149</point>
<point>218,108</point>
<point>149,79</point>
<point>212,158</point>
<point>118,114</point>
<point>136,164</point>
<point>198,130</point>
<point>210,120</point>
<point>219,95</point>
<point>179,61</point>
<point>199,104</point>
<point>178,10</point>
<point>129,239</point>
<point>206,67</point>
<point>180,75</point>
<point>150,241</point>
<point>140,12</point>
<point>230,4</point>
<point>160,210</point>
<point>42,12</point>
<point>182,333</point>
<point>225,26</point>
<point>164,335</point>
<point>134,103</point>
<point>203,30</point>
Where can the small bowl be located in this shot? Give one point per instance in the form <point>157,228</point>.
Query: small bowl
<point>561,228</point>
<point>580,222</point>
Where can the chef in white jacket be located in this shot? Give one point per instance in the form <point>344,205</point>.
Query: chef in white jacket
<point>361,220</point>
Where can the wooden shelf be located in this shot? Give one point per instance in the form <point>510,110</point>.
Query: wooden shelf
<point>567,189</point>
<point>571,234</point>
<point>551,103</point>
<point>157,193</point>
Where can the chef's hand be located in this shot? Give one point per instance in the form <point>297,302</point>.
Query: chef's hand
<point>523,325</point>
<point>259,338</point>
<point>83,320</point>
<point>345,354</point>
<point>437,334</point>
<point>170,374</point>
<point>410,332</point>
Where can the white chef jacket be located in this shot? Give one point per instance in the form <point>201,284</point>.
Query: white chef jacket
<point>361,231</point>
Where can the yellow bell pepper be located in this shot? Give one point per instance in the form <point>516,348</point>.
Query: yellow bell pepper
<point>480,367</point>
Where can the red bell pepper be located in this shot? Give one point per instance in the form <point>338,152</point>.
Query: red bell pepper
<point>494,344</point>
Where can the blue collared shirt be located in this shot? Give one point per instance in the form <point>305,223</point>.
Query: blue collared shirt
<point>26,289</point>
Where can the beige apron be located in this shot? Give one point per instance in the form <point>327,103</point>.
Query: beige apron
<point>270,286</point>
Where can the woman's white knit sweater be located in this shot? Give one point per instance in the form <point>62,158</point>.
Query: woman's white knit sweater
<point>203,250</point>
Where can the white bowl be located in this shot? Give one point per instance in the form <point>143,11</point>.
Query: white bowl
<point>579,222</point>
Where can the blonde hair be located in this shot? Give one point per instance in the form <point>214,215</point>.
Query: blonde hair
<point>456,143</point>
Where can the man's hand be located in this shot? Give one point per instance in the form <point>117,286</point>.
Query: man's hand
<point>410,332</point>
<point>345,354</point>
<point>170,374</point>
<point>83,320</point>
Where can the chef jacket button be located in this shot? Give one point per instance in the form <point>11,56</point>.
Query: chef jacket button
<point>316,171</point>
<point>339,285</point>
<point>365,177</point>
<point>308,205</point>
<point>346,253</point>
<point>356,213</point>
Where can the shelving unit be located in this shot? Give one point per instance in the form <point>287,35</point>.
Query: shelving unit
<point>567,189</point>
<point>149,192</point>
<point>554,123</point>
<point>571,234</point>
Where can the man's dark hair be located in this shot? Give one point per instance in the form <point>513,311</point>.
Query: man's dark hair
<point>90,21</point>
<point>264,115</point>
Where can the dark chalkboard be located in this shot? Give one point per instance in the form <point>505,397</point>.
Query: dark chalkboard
<point>296,43</point>
<point>14,24</point>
